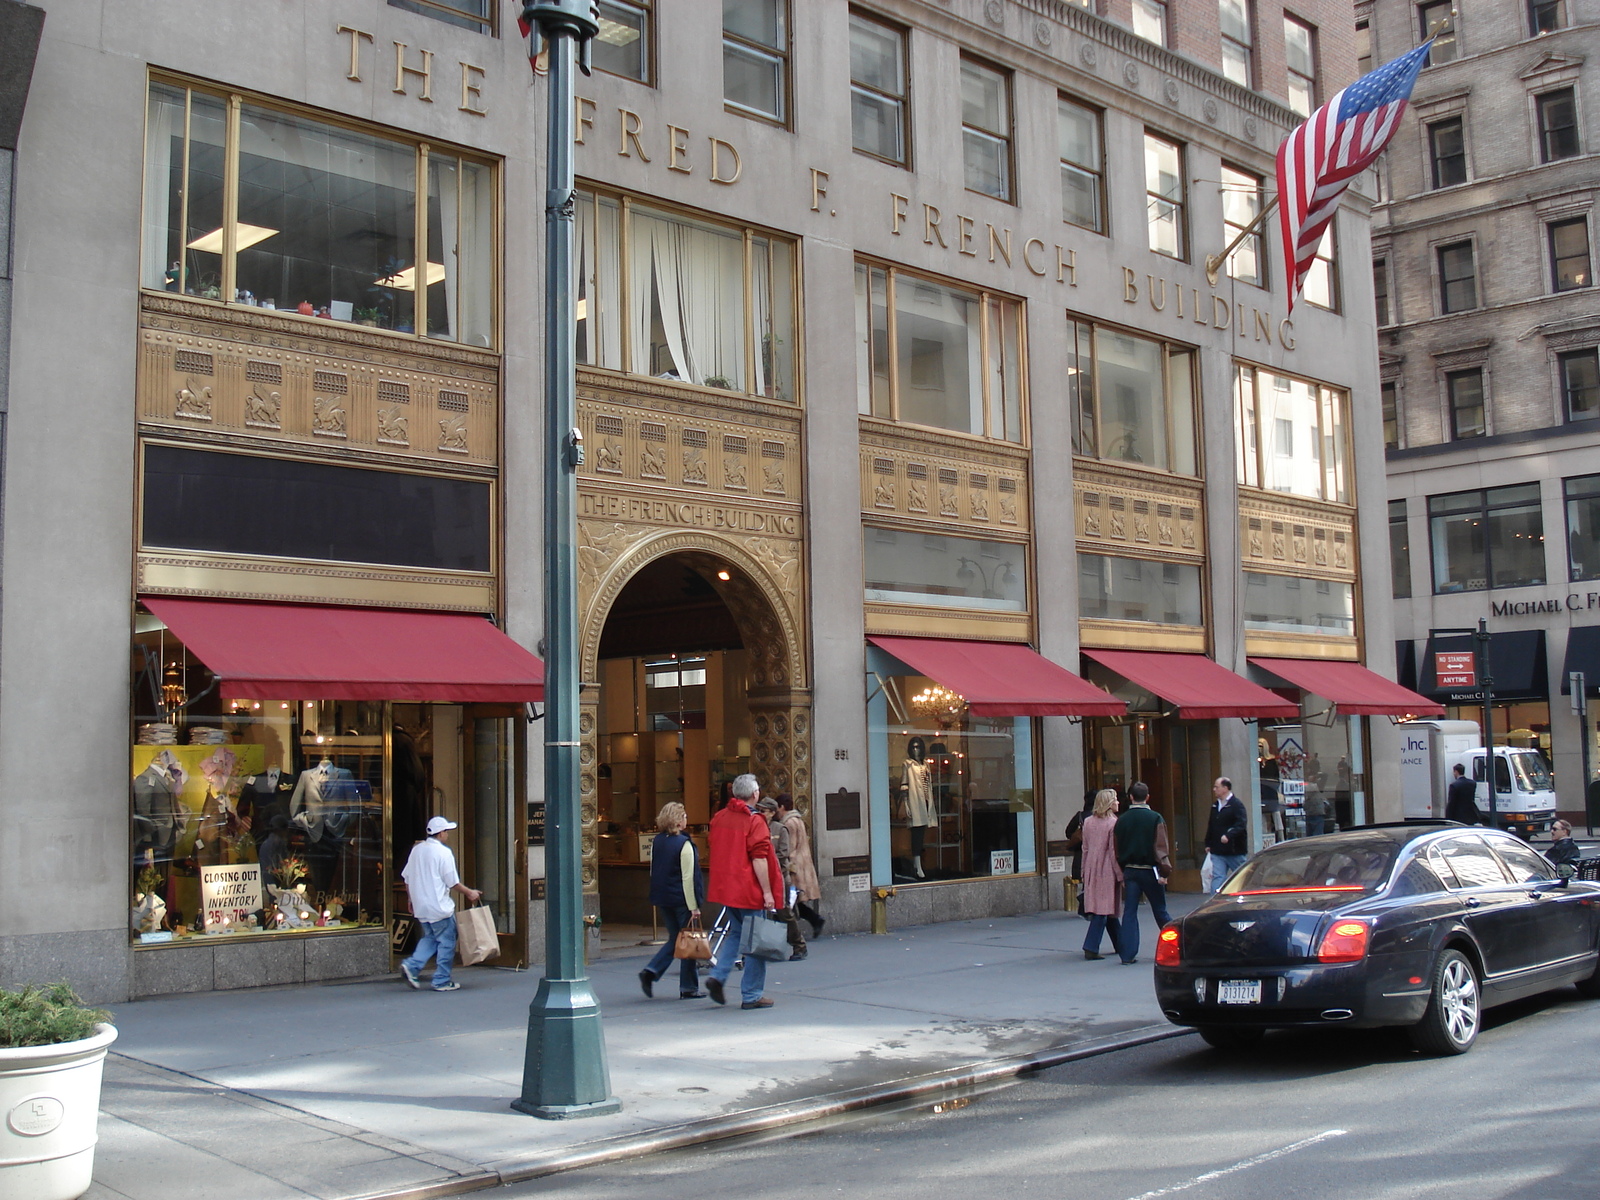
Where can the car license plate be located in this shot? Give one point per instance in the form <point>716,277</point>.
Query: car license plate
<point>1239,991</point>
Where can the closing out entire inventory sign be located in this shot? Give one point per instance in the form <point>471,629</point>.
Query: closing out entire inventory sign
<point>230,893</point>
<point>1454,669</point>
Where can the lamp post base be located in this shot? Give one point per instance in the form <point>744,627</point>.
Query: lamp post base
<point>564,1074</point>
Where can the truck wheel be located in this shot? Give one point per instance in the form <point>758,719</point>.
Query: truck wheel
<point>1230,1039</point>
<point>1450,1024</point>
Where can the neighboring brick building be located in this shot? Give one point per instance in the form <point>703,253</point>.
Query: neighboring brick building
<point>1488,334</point>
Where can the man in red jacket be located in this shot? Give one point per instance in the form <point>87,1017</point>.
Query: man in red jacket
<point>745,876</point>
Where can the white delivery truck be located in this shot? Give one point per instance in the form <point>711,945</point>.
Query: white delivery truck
<point>1525,798</point>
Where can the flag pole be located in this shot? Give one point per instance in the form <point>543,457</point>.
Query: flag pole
<point>1214,261</point>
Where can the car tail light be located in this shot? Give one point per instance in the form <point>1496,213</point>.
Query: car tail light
<point>1167,947</point>
<point>1345,941</point>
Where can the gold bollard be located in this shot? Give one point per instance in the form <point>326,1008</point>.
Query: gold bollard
<point>880,909</point>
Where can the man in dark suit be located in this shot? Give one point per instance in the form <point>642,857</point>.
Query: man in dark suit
<point>1227,833</point>
<point>1461,800</point>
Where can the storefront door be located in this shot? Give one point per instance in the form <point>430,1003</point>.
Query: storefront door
<point>1178,759</point>
<point>494,851</point>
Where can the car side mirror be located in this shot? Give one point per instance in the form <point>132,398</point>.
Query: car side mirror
<point>1566,871</point>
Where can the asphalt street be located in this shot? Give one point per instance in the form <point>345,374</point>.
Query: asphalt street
<point>1343,1114</point>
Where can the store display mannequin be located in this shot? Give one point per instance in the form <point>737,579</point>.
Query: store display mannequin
<point>921,813</point>
<point>157,816</point>
<point>315,808</point>
<point>265,796</point>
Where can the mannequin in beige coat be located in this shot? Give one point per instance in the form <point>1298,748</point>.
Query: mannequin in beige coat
<point>802,871</point>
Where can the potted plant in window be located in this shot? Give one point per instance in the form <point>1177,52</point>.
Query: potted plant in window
<point>52,1052</point>
<point>368,316</point>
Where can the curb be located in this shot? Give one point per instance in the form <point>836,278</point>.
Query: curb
<point>798,1112</point>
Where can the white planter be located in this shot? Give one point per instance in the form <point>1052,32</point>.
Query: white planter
<point>49,1109</point>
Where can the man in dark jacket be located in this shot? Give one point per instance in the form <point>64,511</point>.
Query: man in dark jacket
<point>1141,838</point>
<point>1227,833</point>
<point>1461,800</point>
<point>1562,848</point>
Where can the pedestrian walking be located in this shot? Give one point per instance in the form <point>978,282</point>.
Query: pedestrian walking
<point>1461,799</point>
<point>767,806</point>
<point>1317,806</point>
<point>675,889</point>
<point>431,878</point>
<point>1562,848</point>
<point>1141,841</point>
<point>802,871</point>
<point>1074,835</point>
<point>1102,877</point>
<point>745,876</point>
<point>1227,833</point>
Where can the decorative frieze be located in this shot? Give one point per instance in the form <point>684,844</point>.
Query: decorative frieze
<point>923,475</point>
<point>1134,512</point>
<point>1294,536</point>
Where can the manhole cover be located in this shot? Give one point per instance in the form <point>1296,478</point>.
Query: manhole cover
<point>694,1091</point>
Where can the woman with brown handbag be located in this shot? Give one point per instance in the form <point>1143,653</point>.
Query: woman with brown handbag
<point>676,889</point>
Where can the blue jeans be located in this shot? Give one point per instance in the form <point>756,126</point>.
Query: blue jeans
<point>676,917</point>
<point>1100,923</point>
<point>754,980</point>
<point>1136,882</point>
<point>1315,826</point>
<point>1225,865</point>
<point>438,940</point>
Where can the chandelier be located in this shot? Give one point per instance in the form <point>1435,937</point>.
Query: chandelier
<point>174,695</point>
<point>939,704</point>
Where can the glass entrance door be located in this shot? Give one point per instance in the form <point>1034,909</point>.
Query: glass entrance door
<point>495,852</point>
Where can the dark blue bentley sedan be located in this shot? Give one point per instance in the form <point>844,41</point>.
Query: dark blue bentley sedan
<point>1418,924</point>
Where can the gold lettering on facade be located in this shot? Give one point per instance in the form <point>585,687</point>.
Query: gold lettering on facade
<point>1227,313</point>
<point>1027,261</point>
<point>1179,290</point>
<point>424,72</point>
<point>1286,333</point>
<point>356,35</point>
<point>628,128</point>
<point>472,89</point>
<point>1199,317</point>
<point>819,189</point>
<point>1130,289</point>
<point>579,121</point>
<point>1239,324</point>
<point>677,147</point>
<point>1263,327</point>
<point>1067,268</point>
<point>896,201</point>
<point>930,227</point>
<point>717,146</point>
<point>964,227</point>
<point>1151,294</point>
<point>694,514</point>
<point>1004,247</point>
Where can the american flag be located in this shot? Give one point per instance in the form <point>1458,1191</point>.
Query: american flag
<point>1337,142</point>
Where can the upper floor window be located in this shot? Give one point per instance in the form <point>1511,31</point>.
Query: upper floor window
<point>1546,16</point>
<point>1150,20</point>
<point>1300,54</point>
<point>1242,197</point>
<point>1363,47</point>
<point>1447,150</point>
<point>1321,285</point>
<point>1437,20</point>
<point>1580,384</point>
<point>1380,290</point>
<point>1291,434</point>
<point>691,300</point>
<point>1487,539</point>
<point>469,14</point>
<point>755,57</point>
<point>1583,527</point>
<point>1465,393</point>
<point>878,89</point>
<point>326,221</point>
<point>1569,254</point>
<point>1082,165</point>
<point>1458,277</point>
<point>1389,399</point>
<point>625,42</point>
<point>920,348</point>
<point>1558,124</point>
<point>986,129</point>
<point>1237,40</point>
<point>1399,549</point>
<point>1133,398</point>
<point>1164,196</point>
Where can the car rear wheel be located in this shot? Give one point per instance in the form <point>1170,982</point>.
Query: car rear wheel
<point>1230,1038</point>
<point>1450,1025</point>
<point>1590,987</point>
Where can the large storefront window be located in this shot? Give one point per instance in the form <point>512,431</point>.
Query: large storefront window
<point>328,222</point>
<point>675,298</point>
<point>1132,398</point>
<point>1583,527</point>
<point>1139,589</point>
<point>906,567</point>
<point>1285,604</point>
<point>920,354</point>
<point>1292,435</point>
<point>960,787</point>
<point>1487,539</point>
<point>1315,769</point>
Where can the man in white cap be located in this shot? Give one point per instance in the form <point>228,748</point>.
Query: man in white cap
<point>430,877</point>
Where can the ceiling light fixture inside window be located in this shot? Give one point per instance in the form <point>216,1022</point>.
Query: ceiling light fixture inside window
<point>247,236</point>
<point>406,281</point>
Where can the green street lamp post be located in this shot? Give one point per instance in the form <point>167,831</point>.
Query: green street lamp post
<point>564,1072</point>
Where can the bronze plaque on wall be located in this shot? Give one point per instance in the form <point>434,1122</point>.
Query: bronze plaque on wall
<point>843,810</point>
<point>1061,849</point>
<point>855,864</point>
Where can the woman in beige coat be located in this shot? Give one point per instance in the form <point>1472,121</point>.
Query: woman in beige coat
<point>802,871</point>
<point>1102,877</point>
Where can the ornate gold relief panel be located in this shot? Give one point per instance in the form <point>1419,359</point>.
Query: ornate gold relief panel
<point>922,475</point>
<point>230,373</point>
<point>1124,512</point>
<point>1296,537</point>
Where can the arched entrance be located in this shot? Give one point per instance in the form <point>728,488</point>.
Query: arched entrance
<point>693,672</point>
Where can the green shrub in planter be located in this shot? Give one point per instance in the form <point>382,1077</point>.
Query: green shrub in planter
<point>45,1016</point>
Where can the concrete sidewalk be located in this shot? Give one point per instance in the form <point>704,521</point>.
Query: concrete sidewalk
<point>373,1089</point>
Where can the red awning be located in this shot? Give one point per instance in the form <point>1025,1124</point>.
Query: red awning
<point>312,652</point>
<point>1002,679</point>
<point>1200,688</point>
<point>1356,690</point>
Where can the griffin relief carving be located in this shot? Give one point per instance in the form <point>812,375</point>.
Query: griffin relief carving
<point>263,411</point>
<point>1277,545</point>
<point>916,496</point>
<point>1186,534</point>
<point>327,416</point>
<point>947,501</point>
<point>1341,556</point>
<point>1141,529</point>
<point>1091,523</point>
<point>979,502</point>
<point>608,458</point>
<point>394,426</point>
<point>1118,527</point>
<point>733,473</point>
<point>1299,548</point>
<point>694,467</point>
<point>883,494</point>
<point>1319,554</point>
<point>1255,543</point>
<point>194,402</point>
<point>652,463</point>
<point>772,473</point>
<point>453,433</point>
<point>1164,530</point>
<point>1008,509</point>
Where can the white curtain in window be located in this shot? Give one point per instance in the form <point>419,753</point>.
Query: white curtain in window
<point>688,286</point>
<point>761,291</point>
<point>444,183</point>
<point>165,129</point>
